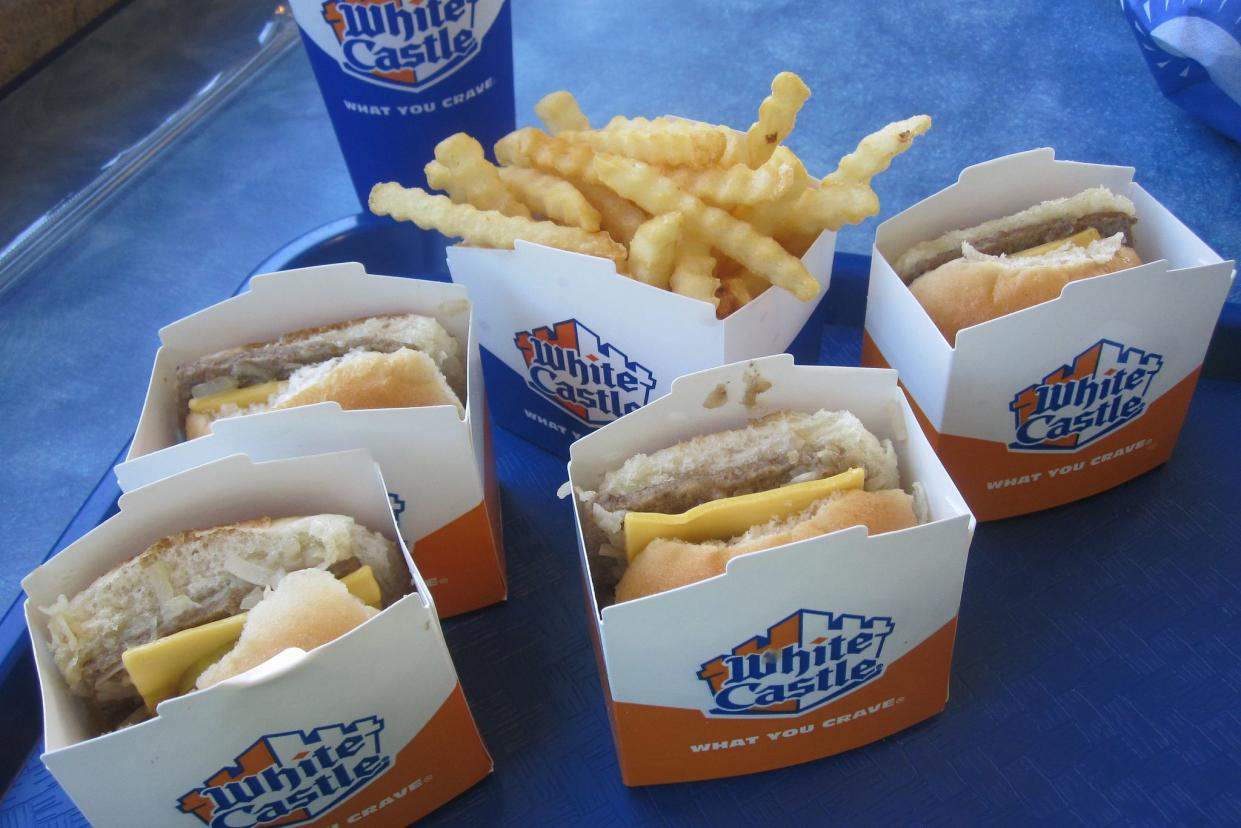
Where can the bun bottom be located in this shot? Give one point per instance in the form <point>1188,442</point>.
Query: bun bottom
<point>667,564</point>
<point>964,293</point>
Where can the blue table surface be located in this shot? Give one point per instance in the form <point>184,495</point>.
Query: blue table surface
<point>1097,665</point>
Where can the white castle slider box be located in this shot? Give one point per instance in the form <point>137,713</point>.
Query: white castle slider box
<point>568,345</point>
<point>298,740</point>
<point>798,651</point>
<point>437,463</point>
<point>1064,399</point>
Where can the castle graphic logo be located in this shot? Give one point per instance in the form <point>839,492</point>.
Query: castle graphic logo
<point>594,381</point>
<point>1102,389</point>
<point>405,44</point>
<point>289,778</point>
<point>804,660</point>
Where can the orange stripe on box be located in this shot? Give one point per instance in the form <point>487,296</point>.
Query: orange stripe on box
<point>974,463</point>
<point>444,760</point>
<point>654,744</point>
<point>466,557</point>
<point>463,559</point>
<point>491,489</point>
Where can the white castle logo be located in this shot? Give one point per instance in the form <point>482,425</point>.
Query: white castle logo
<point>1101,390</point>
<point>803,661</point>
<point>403,44</point>
<point>591,379</point>
<point>289,778</point>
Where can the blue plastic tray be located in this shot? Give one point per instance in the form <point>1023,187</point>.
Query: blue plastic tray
<point>1097,666</point>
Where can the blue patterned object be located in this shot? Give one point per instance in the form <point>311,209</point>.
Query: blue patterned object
<point>1193,48</point>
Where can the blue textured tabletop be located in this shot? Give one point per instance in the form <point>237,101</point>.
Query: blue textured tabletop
<point>1097,664</point>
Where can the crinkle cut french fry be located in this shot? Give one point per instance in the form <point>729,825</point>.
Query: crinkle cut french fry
<point>739,290</point>
<point>559,112</point>
<point>484,228</point>
<point>735,149</point>
<point>441,178</point>
<point>476,176</point>
<point>459,189</point>
<point>653,250</point>
<point>620,217</point>
<point>755,285</point>
<point>733,296</point>
<point>875,152</point>
<point>818,208</point>
<point>655,193</point>
<point>551,196</point>
<point>692,275</point>
<point>740,184</point>
<point>530,147</point>
<point>776,116</point>
<point>669,143</point>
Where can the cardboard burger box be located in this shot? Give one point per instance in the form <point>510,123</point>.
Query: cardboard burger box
<point>796,652</point>
<point>568,345</point>
<point>297,739</point>
<point>1064,399</point>
<point>438,465</point>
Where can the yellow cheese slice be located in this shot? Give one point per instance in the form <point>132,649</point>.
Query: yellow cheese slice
<point>240,397</point>
<point>731,516</point>
<point>169,666</point>
<point>1082,239</point>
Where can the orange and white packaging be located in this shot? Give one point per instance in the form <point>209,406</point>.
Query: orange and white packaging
<point>568,345</point>
<point>297,740</point>
<point>1064,399</point>
<point>796,652</point>
<point>438,464</point>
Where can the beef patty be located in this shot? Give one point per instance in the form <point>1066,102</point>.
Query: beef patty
<point>1032,235</point>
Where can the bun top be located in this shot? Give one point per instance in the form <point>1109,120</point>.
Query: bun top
<point>1058,215</point>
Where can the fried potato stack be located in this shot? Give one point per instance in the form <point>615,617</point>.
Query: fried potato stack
<point>704,210</point>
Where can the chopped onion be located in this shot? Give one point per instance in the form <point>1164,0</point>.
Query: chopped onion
<point>213,386</point>
<point>607,550</point>
<point>248,571</point>
<point>176,605</point>
<point>58,606</point>
<point>119,667</point>
<point>171,604</point>
<point>61,631</point>
<point>160,579</point>
<point>252,597</point>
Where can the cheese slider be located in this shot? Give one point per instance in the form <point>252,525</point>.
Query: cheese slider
<point>678,515</point>
<point>200,606</point>
<point>967,277</point>
<point>393,361</point>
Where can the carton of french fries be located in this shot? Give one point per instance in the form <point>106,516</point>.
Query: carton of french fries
<point>436,459</point>
<point>1086,386</point>
<point>605,262</point>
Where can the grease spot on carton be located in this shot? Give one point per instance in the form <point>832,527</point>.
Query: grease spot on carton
<point>717,397</point>
<point>755,384</point>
